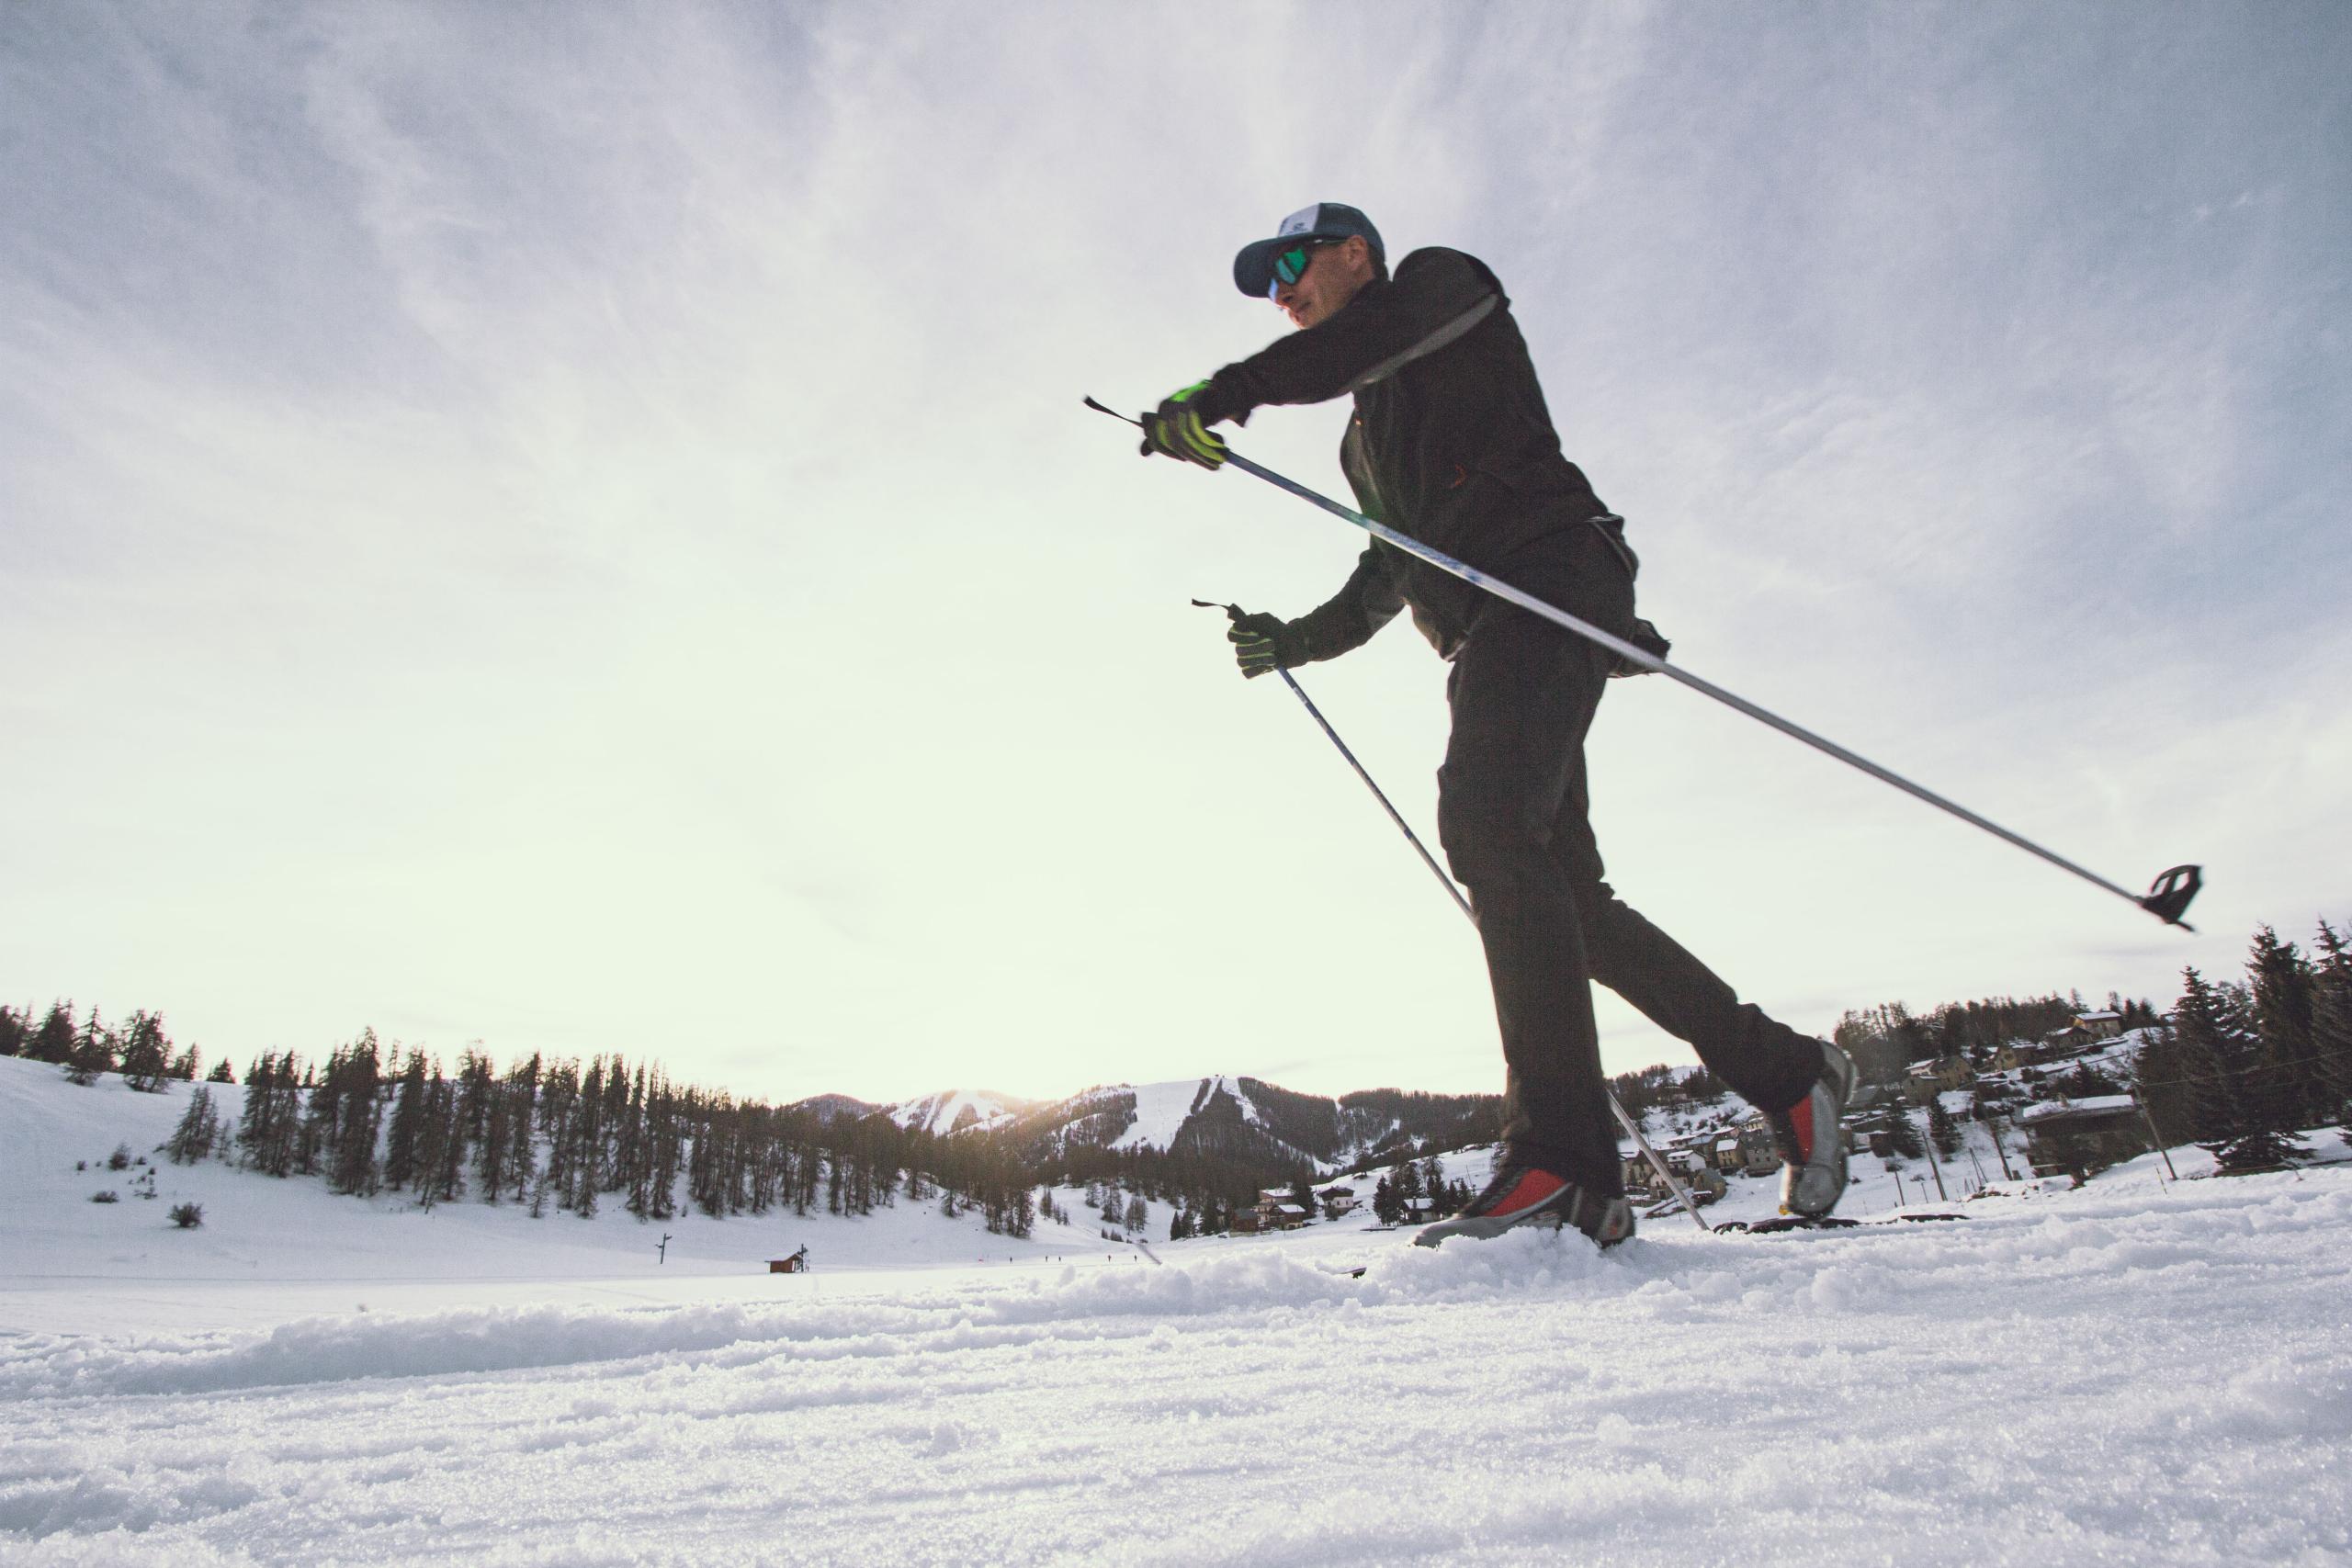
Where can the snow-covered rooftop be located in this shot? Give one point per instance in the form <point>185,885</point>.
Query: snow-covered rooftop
<point>2089,1105</point>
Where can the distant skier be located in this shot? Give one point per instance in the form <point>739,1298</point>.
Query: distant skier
<point>1451,442</point>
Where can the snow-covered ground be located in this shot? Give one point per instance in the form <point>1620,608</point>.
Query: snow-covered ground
<point>2132,1372</point>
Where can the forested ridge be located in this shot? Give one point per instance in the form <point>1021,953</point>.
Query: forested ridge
<point>2243,1065</point>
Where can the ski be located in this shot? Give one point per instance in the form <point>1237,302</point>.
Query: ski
<point>1826,1222</point>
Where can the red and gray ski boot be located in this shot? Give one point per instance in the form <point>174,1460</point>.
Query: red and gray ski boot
<point>1528,1195</point>
<point>1811,1144</point>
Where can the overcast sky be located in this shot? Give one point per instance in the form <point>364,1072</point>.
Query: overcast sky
<point>573,526</point>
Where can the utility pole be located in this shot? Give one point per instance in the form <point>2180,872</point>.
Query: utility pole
<point>661,1251</point>
<point>1993,1125</point>
<point>1936,1164</point>
<point>2149,1117</point>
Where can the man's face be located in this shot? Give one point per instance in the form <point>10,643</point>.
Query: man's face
<point>1334,273</point>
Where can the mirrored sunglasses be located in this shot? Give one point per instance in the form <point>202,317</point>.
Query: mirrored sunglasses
<point>1290,266</point>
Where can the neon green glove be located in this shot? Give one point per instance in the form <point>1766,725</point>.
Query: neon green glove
<point>1176,429</point>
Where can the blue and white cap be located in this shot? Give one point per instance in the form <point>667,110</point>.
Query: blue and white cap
<point>1253,269</point>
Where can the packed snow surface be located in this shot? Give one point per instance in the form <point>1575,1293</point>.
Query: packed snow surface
<point>2132,1372</point>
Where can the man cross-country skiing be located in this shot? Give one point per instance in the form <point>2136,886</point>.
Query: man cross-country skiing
<point>1451,442</point>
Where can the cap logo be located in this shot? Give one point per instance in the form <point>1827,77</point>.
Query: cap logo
<point>1302,221</point>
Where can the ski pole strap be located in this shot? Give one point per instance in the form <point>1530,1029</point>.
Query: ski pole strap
<point>2167,900</point>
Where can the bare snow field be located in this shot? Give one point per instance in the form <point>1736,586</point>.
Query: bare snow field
<point>2132,1372</point>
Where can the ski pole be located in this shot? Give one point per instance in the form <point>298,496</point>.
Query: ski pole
<point>1632,1131</point>
<point>2168,898</point>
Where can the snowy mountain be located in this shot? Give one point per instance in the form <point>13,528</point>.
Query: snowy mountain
<point>836,1106</point>
<point>1231,1117</point>
<point>958,1110</point>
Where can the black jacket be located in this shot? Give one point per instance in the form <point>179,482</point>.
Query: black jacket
<point>1451,442</point>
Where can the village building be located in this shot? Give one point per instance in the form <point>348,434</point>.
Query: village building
<point>2082,1137</point>
<point>1924,1080</point>
<point>1338,1200</point>
<point>1758,1155</point>
<point>1283,1216</point>
<point>1643,1185</point>
<point>2088,1029</point>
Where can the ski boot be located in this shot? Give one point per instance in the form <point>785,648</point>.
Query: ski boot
<point>1528,1195</point>
<point>1811,1144</point>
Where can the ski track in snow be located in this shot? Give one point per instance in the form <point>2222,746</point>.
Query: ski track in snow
<point>2122,1374</point>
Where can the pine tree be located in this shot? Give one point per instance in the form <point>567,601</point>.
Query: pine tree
<point>255,1119</point>
<point>1406,1183</point>
<point>407,1123</point>
<point>53,1041</point>
<point>522,1156</point>
<point>1902,1135</point>
<point>2331,1019</point>
<point>221,1073</point>
<point>437,1138</point>
<point>92,1052</point>
<point>2159,1080</point>
<point>198,1129</point>
<point>2241,1095</point>
<point>2281,984</point>
<point>267,1131</point>
<point>146,1053</point>
<point>1942,1131</point>
<point>2206,1061</point>
<point>352,1167</point>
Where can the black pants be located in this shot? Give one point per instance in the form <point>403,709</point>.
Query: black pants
<point>1512,814</point>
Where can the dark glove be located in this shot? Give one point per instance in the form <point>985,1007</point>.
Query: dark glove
<point>1650,640</point>
<point>1179,428</point>
<point>1263,642</point>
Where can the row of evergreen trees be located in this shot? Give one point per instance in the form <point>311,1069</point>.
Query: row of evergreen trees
<point>2249,1064</point>
<point>558,1136</point>
<point>572,1137</point>
<point>141,1050</point>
